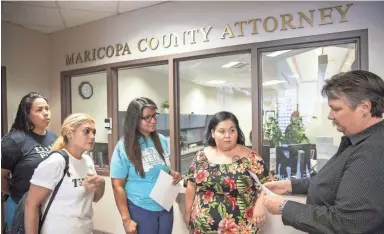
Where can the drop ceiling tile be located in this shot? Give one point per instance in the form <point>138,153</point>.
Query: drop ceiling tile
<point>45,16</point>
<point>77,17</point>
<point>32,15</point>
<point>125,6</point>
<point>38,3</point>
<point>102,6</point>
<point>44,29</point>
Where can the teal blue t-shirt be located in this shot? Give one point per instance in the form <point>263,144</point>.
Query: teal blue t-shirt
<point>136,187</point>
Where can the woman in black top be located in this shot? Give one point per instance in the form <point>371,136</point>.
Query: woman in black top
<point>24,148</point>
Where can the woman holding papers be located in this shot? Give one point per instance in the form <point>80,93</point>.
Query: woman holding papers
<point>221,196</point>
<point>136,164</point>
<point>346,196</point>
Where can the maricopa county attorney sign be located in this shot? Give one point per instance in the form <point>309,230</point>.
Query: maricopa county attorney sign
<point>268,24</point>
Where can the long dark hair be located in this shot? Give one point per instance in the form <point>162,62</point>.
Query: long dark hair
<point>132,134</point>
<point>22,121</point>
<point>218,118</point>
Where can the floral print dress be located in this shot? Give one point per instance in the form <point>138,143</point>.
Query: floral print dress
<point>225,195</point>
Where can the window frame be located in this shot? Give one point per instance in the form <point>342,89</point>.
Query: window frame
<point>360,37</point>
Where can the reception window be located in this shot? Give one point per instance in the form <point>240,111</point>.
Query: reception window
<point>274,89</point>
<point>297,134</point>
<point>208,86</point>
<point>89,95</point>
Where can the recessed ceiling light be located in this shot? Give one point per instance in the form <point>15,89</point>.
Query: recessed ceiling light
<point>273,82</point>
<point>276,53</point>
<point>216,82</point>
<point>230,64</point>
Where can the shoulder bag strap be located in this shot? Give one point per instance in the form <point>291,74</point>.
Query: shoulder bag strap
<point>66,157</point>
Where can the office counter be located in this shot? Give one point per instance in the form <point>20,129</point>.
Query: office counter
<point>274,223</point>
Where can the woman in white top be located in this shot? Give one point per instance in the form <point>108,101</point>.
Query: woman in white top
<point>71,211</point>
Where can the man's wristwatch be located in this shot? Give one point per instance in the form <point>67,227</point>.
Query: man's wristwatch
<point>282,204</point>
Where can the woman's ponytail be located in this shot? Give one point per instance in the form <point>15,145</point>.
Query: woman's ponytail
<point>59,144</point>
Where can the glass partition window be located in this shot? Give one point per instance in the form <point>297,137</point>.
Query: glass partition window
<point>88,92</point>
<point>150,82</point>
<point>208,86</point>
<point>297,134</point>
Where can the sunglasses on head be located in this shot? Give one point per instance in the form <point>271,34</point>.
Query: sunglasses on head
<point>150,117</point>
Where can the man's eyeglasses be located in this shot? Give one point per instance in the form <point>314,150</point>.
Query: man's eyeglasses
<point>149,118</point>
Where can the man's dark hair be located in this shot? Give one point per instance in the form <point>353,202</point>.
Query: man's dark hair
<point>357,86</point>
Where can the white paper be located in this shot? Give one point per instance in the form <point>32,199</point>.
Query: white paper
<point>164,192</point>
<point>266,191</point>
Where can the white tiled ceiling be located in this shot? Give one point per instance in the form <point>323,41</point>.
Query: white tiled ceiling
<point>52,16</point>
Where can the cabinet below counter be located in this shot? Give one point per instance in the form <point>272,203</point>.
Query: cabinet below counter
<point>187,157</point>
<point>193,150</point>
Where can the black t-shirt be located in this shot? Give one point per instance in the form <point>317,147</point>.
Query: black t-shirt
<point>21,153</point>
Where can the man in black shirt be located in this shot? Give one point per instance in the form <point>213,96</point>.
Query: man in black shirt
<point>347,195</point>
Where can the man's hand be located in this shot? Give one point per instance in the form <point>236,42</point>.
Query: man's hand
<point>281,187</point>
<point>273,204</point>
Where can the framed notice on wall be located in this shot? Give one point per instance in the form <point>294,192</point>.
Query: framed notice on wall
<point>268,114</point>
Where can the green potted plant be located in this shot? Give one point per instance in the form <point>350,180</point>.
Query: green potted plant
<point>165,106</point>
<point>273,132</point>
<point>295,132</point>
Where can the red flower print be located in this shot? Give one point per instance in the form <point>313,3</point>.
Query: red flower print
<point>250,191</point>
<point>195,209</point>
<point>218,173</point>
<point>233,201</point>
<point>196,231</point>
<point>231,183</point>
<point>208,197</point>
<point>259,168</point>
<point>248,214</point>
<point>252,167</point>
<point>210,220</point>
<point>245,229</point>
<point>228,225</point>
<point>201,176</point>
<point>252,156</point>
<point>256,167</point>
<point>200,156</point>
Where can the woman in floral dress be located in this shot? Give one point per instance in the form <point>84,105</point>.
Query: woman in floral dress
<point>221,196</point>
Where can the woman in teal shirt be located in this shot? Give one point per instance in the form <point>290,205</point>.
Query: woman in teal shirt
<point>136,163</point>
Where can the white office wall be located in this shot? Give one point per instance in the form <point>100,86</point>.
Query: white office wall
<point>33,68</point>
<point>177,17</point>
<point>96,106</point>
<point>27,65</point>
<point>141,82</point>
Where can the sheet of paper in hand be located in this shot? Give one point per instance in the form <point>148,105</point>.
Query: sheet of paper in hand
<point>266,191</point>
<point>164,192</point>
